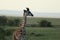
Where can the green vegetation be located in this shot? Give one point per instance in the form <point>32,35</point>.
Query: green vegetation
<point>43,33</point>
<point>55,21</point>
<point>5,21</point>
<point>39,33</point>
<point>14,21</point>
<point>45,23</point>
<point>32,33</point>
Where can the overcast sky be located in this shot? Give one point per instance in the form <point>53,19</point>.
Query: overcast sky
<point>35,5</point>
<point>49,6</point>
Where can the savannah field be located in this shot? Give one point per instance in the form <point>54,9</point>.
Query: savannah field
<point>40,33</point>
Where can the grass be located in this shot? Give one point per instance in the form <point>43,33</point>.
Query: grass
<point>40,33</point>
<point>44,33</point>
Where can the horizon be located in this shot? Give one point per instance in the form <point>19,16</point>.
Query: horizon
<point>36,14</point>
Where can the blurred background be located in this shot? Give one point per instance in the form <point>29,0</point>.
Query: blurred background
<point>44,25</point>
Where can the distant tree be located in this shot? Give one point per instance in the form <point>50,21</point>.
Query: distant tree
<point>3,20</point>
<point>49,24</point>
<point>45,23</point>
<point>16,22</point>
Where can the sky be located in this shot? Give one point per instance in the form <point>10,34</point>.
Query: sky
<point>35,5</point>
<point>48,6</point>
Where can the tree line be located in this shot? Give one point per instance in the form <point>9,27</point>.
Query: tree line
<point>4,21</point>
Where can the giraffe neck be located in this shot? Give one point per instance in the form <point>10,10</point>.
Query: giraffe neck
<point>23,32</point>
<point>24,20</point>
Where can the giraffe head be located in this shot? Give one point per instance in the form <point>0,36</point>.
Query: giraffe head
<point>27,12</point>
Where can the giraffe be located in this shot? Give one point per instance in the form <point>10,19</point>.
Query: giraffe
<point>20,33</point>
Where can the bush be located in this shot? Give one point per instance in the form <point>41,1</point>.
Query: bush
<point>14,22</point>
<point>9,32</point>
<point>9,22</point>
<point>3,20</point>
<point>45,23</point>
<point>2,34</point>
